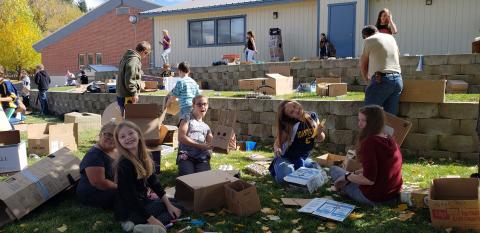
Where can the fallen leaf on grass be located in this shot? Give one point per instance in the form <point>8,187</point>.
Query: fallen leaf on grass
<point>265,228</point>
<point>210,214</point>
<point>321,228</point>
<point>401,207</point>
<point>355,216</point>
<point>220,223</point>
<point>239,225</point>
<point>35,230</point>
<point>96,224</point>
<point>295,221</point>
<point>267,210</point>
<point>299,228</point>
<point>289,209</point>
<point>331,225</point>
<point>405,216</point>
<point>295,231</point>
<point>270,182</point>
<point>258,222</point>
<point>23,225</point>
<point>273,217</point>
<point>275,200</point>
<point>63,228</point>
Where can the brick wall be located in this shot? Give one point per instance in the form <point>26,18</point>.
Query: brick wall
<point>451,67</point>
<point>110,35</point>
<point>439,130</point>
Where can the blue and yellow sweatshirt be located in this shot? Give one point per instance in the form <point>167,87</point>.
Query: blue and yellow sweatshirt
<point>8,90</point>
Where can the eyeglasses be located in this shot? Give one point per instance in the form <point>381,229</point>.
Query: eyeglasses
<point>201,104</point>
<point>107,135</point>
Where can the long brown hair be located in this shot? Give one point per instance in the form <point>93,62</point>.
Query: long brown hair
<point>375,123</point>
<point>285,123</point>
<point>141,161</point>
<point>379,18</point>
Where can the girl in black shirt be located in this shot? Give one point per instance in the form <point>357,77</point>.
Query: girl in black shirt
<point>134,173</point>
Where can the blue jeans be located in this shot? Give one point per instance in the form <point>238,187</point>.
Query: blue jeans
<point>352,190</point>
<point>283,166</point>
<point>386,93</point>
<point>42,96</point>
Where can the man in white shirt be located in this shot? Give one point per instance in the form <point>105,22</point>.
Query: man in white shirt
<point>380,68</point>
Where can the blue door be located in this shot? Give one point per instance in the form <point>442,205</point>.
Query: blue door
<point>341,28</point>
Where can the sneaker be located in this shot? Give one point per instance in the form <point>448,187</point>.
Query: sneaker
<point>127,226</point>
<point>148,228</point>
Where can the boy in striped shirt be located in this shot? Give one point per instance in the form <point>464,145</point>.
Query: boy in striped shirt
<point>185,90</point>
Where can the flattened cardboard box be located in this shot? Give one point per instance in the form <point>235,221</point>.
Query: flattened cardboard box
<point>423,91</point>
<point>328,160</point>
<point>454,202</point>
<point>47,138</point>
<point>202,191</point>
<point>145,116</point>
<point>397,127</point>
<point>13,152</point>
<point>28,189</point>
<point>242,198</point>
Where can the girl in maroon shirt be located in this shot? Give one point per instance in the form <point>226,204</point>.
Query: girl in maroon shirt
<point>380,180</point>
<point>385,22</point>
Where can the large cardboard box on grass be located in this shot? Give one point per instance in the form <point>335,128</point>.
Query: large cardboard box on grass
<point>423,91</point>
<point>329,79</point>
<point>331,89</point>
<point>13,152</point>
<point>145,116</point>
<point>328,160</point>
<point>273,84</point>
<point>242,198</point>
<point>397,127</point>
<point>86,121</point>
<point>47,138</point>
<point>4,124</point>
<point>202,191</point>
<point>28,189</point>
<point>454,203</point>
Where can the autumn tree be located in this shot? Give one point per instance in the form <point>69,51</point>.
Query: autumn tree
<point>50,15</point>
<point>18,33</point>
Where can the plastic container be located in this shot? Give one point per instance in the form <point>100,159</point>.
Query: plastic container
<point>250,145</point>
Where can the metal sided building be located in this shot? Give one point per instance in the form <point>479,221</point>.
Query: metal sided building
<point>202,31</point>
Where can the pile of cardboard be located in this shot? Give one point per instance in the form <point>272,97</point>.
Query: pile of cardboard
<point>273,84</point>
<point>13,152</point>
<point>331,86</point>
<point>46,138</point>
<point>28,189</point>
<point>195,192</point>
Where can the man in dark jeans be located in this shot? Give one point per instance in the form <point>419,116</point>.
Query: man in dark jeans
<point>42,79</point>
<point>380,68</point>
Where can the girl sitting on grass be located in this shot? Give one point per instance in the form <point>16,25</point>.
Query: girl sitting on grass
<point>134,173</point>
<point>195,139</point>
<point>380,180</point>
<point>297,132</point>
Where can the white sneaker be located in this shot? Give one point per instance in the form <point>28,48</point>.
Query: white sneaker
<point>148,228</point>
<point>127,226</point>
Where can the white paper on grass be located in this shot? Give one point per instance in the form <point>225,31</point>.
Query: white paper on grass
<point>311,177</point>
<point>326,208</point>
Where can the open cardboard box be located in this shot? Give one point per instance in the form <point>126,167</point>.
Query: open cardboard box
<point>28,189</point>
<point>13,152</point>
<point>397,127</point>
<point>202,191</point>
<point>242,198</point>
<point>328,160</point>
<point>47,138</point>
<point>112,111</point>
<point>454,203</point>
<point>145,116</point>
<point>273,84</point>
<point>425,91</point>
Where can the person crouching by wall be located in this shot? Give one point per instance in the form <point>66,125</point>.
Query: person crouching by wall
<point>134,174</point>
<point>96,186</point>
<point>195,139</point>
<point>297,132</point>
<point>380,180</point>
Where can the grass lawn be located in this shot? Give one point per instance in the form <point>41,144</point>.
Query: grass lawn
<point>64,209</point>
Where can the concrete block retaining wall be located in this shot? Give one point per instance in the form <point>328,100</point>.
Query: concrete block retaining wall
<point>439,130</point>
<point>451,67</point>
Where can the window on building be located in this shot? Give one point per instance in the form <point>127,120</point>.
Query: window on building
<point>81,60</point>
<point>98,58</point>
<point>90,59</point>
<point>218,31</point>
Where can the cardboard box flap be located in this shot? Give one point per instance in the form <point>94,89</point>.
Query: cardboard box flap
<point>276,76</point>
<point>397,127</point>
<point>26,190</point>
<point>227,118</point>
<point>142,111</point>
<point>60,130</point>
<point>36,131</point>
<point>283,70</point>
<point>204,179</point>
<point>4,123</point>
<point>454,189</point>
<point>9,137</point>
<point>423,91</point>
<point>331,79</point>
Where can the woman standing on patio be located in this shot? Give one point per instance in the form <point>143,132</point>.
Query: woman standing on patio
<point>380,180</point>
<point>250,48</point>
<point>385,22</point>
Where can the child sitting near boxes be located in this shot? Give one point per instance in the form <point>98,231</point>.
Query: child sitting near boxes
<point>195,139</point>
<point>185,89</point>
<point>296,135</point>
<point>380,180</point>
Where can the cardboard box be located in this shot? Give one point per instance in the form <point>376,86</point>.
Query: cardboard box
<point>328,160</point>
<point>397,127</point>
<point>337,89</point>
<point>224,138</point>
<point>150,86</point>
<point>169,135</point>
<point>273,84</point>
<point>242,198</point>
<point>86,121</point>
<point>4,124</point>
<point>330,79</point>
<point>112,111</point>
<point>13,152</point>
<point>145,116</point>
<point>28,189</point>
<point>46,138</point>
<point>174,107</point>
<point>202,191</point>
<point>415,197</point>
<point>352,165</point>
<point>456,86</point>
<point>454,203</point>
<point>283,70</point>
<point>322,89</point>
<point>423,91</point>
